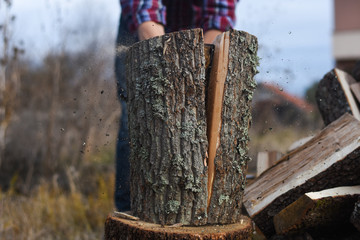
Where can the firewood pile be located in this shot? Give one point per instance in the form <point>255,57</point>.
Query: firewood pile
<point>313,192</point>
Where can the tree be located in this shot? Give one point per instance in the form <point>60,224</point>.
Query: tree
<point>9,74</point>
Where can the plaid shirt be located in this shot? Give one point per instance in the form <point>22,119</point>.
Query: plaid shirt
<point>177,15</point>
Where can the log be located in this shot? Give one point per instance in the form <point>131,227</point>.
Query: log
<point>299,143</point>
<point>330,159</point>
<point>123,229</point>
<point>320,211</point>
<point>334,97</point>
<point>231,157</point>
<point>167,86</point>
<point>355,216</point>
<point>167,128</point>
<point>265,160</point>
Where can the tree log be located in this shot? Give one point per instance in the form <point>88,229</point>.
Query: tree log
<point>168,129</point>
<point>334,97</point>
<point>330,159</point>
<point>355,216</point>
<point>123,229</point>
<point>231,154</point>
<point>167,126</point>
<point>319,211</point>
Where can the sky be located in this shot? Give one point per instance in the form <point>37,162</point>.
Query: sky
<point>294,36</point>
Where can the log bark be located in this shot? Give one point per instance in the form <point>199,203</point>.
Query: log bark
<point>355,216</point>
<point>167,125</point>
<point>330,159</point>
<point>123,229</point>
<point>166,80</point>
<point>318,211</point>
<point>232,152</point>
<point>334,97</point>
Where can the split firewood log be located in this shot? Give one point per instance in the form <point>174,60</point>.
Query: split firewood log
<point>330,159</point>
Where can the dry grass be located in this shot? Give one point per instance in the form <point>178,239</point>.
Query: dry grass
<point>50,213</point>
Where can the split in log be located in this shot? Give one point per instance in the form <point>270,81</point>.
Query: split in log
<point>166,81</point>
<point>215,102</point>
<point>318,211</point>
<point>265,160</point>
<point>355,216</point>
<point>330,159</point>
<point>124,229</point>
<point>334,97</point>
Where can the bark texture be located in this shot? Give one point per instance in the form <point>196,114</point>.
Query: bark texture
<point>167,124</point>
<point>122,229</point>
<point>231,156</point>
<point>330,159</point>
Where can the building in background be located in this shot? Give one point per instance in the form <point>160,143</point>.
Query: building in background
<point>346,38</point>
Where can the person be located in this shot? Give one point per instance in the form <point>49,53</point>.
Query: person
<point>144,19</point>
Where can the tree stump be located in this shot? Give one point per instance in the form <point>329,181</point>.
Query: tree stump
<point>167,87</point>
<point>123,229</point>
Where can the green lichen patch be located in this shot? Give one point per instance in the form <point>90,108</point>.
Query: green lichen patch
<point>223,198</point>
<point>172,206</point>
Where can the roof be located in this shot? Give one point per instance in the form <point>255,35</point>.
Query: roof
<point>287,97</point>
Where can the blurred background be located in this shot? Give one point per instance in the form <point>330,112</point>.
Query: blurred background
<point>59,113</point>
